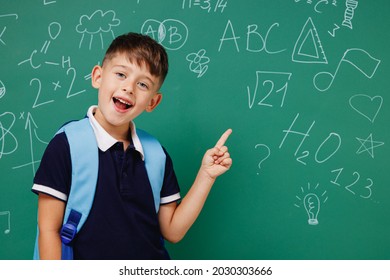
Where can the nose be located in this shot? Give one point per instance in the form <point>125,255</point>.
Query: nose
<point>127,87</point>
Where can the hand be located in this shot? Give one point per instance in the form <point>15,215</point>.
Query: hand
<point>217,161</point>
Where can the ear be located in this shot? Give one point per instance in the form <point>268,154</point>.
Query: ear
<point>154,102</point>
<point>96,76</point>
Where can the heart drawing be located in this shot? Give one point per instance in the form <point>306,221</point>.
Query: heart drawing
<point>366,106</point>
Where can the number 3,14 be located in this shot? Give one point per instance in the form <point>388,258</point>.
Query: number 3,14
<point>352,186</point>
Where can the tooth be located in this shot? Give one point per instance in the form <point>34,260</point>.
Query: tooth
<point>124,102</point>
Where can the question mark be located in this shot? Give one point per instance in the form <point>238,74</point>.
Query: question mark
<point>268,153</point>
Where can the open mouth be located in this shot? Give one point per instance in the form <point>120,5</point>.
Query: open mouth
<point>122,104</point>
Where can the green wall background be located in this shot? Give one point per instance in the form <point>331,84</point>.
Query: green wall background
<point>303,84</point>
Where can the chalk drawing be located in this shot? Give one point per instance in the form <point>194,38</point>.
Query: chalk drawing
<point>349,13</point>
<point>368,145</point>
<point>312,200</point>
<point>366,105</point>
<point>198,62</point>
<point>95,25</point>
<point>5,27</point>
<point>358,58</point>
<point>31,127</point>
<point>308,47</point>
<point>3,90</point>
<point>333,33</point>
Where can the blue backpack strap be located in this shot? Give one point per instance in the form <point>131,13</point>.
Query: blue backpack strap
<point>154,157</point>
<point>85,164</point>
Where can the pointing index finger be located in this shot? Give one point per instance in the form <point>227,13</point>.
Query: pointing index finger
<point>223,138</point>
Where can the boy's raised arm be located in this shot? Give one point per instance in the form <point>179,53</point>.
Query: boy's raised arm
<point>176,219</point>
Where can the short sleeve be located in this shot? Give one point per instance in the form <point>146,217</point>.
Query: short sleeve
<point>54,174</point>
<point>170,191</point>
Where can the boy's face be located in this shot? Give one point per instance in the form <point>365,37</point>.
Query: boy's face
<point>125,91</point>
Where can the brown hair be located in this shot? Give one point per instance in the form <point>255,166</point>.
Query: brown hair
<point>141,48</point>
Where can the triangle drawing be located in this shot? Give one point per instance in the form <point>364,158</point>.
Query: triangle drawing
<point>308,47</point>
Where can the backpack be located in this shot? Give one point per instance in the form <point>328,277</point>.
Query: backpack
<point>85,162</point>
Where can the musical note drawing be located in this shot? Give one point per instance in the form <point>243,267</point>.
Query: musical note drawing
<point>366,106</point>
<point>8,214</point>
<point>359,58</point>
<point>96,24</point>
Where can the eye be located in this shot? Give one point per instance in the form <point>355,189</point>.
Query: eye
<point>143,85</point>
<point>120,75</point>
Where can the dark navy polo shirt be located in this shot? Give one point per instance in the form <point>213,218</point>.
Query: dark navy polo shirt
<point>123,223</point>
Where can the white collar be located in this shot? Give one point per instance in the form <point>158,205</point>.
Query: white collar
<point>105,140</point>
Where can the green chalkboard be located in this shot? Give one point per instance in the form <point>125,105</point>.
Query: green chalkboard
<point>303,84</point>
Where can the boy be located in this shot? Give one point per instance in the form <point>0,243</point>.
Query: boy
<point>123,223</point>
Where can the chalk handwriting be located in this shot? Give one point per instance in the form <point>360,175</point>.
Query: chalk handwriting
<point>8,141</point>
<point>318,4</point>
<point>206,5</point>
<point>37,101</point>
<point>255,42</point>
<point>353,186</point>
<point>264,155</point>
<point>273,84</point>
<point>366,106</point>
<point>325,151</point>
<point>54,31</point>
<point>359,58</point>
<point>290,131</point>
<point>172,38</point>
<point>30,59</point>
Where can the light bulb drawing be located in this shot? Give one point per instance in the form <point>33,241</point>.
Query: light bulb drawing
<point>312,206</point>
<point>312,202</point>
